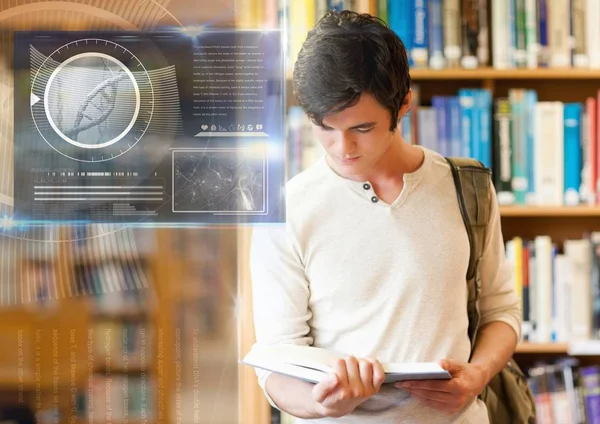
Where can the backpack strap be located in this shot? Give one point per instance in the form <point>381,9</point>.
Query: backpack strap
<point>472,181</point>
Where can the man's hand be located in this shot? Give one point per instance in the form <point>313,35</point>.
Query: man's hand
<point>449,396</point>
<point>354,381</point>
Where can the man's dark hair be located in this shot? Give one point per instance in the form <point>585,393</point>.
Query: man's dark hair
<point>347,54</point>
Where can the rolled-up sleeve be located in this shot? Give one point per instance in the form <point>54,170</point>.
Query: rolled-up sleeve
<point>498,299</point>
<point>280,292</point>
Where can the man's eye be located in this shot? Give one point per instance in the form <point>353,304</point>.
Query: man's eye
<point>365,131</point>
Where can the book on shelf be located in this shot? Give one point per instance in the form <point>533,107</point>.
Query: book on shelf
<point>559,289</point>
<point>541,153</point>
<point>313,364</point>
<point>466,34</point>
<point>566,393</point>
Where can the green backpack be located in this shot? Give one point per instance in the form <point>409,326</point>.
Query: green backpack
<point>507,396</point>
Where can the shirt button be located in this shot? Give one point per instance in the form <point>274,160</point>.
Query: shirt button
<point>366,186</point>
<point>374,199</point>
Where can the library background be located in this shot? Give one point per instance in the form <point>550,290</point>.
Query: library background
<point>115,325</point>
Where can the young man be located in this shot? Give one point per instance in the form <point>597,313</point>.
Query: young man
<point>372,260</point>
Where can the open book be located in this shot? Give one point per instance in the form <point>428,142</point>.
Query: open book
<point>312,364</point>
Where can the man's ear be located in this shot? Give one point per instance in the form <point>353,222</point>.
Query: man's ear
<point>406,104</point>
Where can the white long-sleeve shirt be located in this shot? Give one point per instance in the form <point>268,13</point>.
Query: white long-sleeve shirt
<point>367,278</point>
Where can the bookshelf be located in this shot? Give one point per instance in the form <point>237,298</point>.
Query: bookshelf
<point>488,73</point>
<point>549,211</point>
<point>562,223</point>
<point>185,283</point>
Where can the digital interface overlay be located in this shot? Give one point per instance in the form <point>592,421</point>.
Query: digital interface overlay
<point>149,128</point>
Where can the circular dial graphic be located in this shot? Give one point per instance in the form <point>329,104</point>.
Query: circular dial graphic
<point>92,100</point>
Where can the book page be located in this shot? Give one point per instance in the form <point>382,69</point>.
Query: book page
<point>305,356</point>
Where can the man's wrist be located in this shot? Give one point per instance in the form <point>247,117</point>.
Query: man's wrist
<point>484,369</point>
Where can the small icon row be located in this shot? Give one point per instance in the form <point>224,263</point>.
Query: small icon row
<point>239,127</point>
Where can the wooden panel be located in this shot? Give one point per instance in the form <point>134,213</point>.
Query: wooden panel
<point>529,75</point>
<point>253,407</point>
<point>549,211</point>
<point>552,90</point>
<point>560,348</point>
<point>17,354</point>
<point>527,360</point>
<point>60,339</point>
<point>559,228</point>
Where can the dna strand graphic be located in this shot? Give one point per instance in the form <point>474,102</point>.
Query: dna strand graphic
<point>98,105</point>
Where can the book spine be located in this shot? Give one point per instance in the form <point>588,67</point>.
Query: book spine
<point>543,283</point>
<point>470,28</point>
<point>427,134</point>
<point>549,157</point>
<point>420,42</point>
<point>544,52</point>
<point>590,377</point>
<point>595,284</point>
<point>559,14</point>
<point>452,32</point>
<point>466,121</point>
<point>592,120</point>
<point>580,56</point>
<point>572,125</point>
<point>520,180</point>
<point>401,20</point>
<point>503,162</point>
<point>484,101</point>
<point>436,39</point>
<point>531,37</point>
<point>500,28</point>
<point>453,115</point>
<point>530,102</point>
<point>592,33</point>
<point>483,39</point>
<point>382,10</point>
<point>439,104</point>
<point>337,5</point>
<point>521,49</point>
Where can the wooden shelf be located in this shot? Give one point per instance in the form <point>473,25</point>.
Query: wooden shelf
<point>536,348</point>
<point>550,211</point>
<point>584,348</point>
<point>133,314</point>
<point>507,74</point>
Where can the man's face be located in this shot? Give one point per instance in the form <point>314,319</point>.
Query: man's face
<point>357,137</point>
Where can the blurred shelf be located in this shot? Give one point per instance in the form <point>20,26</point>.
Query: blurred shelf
<point>14,382</point>
<point>498,74</point>
<point>581,348</point>
<point>550,211</point>
<point>132,314</point>
<point>120,369</point>
<point>535,348</point>
<point>118,421</point>
<point>507,74</point>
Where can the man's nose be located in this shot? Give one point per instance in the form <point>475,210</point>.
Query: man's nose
<point>346,145</point>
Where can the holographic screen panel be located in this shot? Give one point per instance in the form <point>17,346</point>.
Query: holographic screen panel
<point>160,128</point>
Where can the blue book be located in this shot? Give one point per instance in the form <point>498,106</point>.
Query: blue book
<point>439,105</point>
<point>337,5</point>
<point>420,43</point>
<point>406,128</point>
<point>401,20</point>
<point>484,110</point>
<point>436,37</point>
<point>467,104</point>
<point>572,115</point>
<point>531,100</point>
<point>543,33</point>
<point>518,144</point>
<point>453,124</point>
